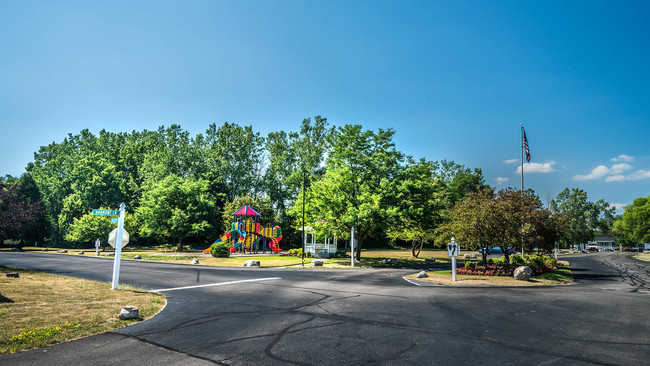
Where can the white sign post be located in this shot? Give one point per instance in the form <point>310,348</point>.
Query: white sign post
<point>97,245</point>
<point>352,247</point>
<point>118,247</point>
<point>453,249</point>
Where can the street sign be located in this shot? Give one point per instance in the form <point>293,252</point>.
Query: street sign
<point>106,212</point>
<point>112,236</point>
<point>453,248</point>
<point>115,220</point>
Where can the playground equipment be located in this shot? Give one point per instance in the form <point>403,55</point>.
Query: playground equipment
<point>246,233</point>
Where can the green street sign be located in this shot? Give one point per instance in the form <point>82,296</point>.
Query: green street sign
<point>106,212</point>
<point>114,220</point>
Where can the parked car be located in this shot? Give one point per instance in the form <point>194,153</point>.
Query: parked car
<point>497,251</point>
<point>646,250</point>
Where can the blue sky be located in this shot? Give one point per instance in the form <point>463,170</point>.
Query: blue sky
<point>455,79</point>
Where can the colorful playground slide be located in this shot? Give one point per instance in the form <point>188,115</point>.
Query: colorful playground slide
<point>242,238</point>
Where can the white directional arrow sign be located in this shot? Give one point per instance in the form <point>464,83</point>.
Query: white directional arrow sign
<point>453,249</point>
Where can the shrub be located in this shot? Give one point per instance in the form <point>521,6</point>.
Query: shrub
<point>490,261</point>
<point>550,262</point>
<point>468,264</point>
<point>516,260</point>
<point>220,249</point>
<point>535,262</point>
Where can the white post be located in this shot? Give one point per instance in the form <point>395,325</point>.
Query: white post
<point>453,269</point>
<point>352,246</point>
<point>118,248</point>
<point>98,243</point>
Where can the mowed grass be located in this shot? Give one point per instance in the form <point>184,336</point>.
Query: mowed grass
<point>40,309</point>
<point>370,258</point>
<point>561,276</point>
<point>205,259</point>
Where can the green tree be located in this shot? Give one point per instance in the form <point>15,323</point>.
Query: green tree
<point>583,217</point>
<point>15,217</point>
<point>634,226</point>
<point>176,208</point>
<point>418,205</point>
<point>89,227</point>
<point>353,191</point>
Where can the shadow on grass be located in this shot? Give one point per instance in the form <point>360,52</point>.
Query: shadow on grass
<point>5,299</point>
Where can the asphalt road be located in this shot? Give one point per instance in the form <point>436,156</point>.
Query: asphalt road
<point>354,317</point>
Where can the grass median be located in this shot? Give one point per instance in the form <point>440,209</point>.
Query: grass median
<point>560,276</point>
<point>40,309</point>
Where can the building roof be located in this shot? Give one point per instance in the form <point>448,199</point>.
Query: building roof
<point>246,211</point>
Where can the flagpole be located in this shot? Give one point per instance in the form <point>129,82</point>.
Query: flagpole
<point>522,157</point>
<point>522,176</point>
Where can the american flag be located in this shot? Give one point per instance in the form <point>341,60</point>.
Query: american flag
<point>526,147</point>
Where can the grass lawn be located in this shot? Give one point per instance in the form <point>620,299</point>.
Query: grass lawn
<point>158,255</point>
<point>370,258</point>
<point>643,257</point>
<point>40,309</point>
<point>560,276</point>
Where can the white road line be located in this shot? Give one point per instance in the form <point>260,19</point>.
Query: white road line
<point>217,284</point>
<point>411,282</point>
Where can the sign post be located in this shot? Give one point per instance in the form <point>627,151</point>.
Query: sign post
<point>352,247</point>
<point>97,245</point>
<point>118,247</point>
<point>453,249</point>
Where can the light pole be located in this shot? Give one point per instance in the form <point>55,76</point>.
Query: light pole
<point>303,218</point>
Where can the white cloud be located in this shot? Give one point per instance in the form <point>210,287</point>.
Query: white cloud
<point>537,167</point>
<point>511,161</point>
<point>615,178</point>
<point>597,173</point>
<point>620,168</point>
<point>615,173</point>
<point>501,180</point>
<point>618,206</point>
<point>639,174</point>
<point>622,157</point>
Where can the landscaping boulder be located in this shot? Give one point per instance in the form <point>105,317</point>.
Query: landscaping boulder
<point>251,263</point>
<point>194,261</point>
<point>62,251</point>
<point>321,255</point>
<point>81,252</point>
<point>422,274</point>
<point>110,254</point>
<point>469,256</point>
<point>523,273</point>
<point>15,250</point>
<point>13,275</point>
<point>129,312</point>
<point>44,250</point>
<point>317,263</point>
<point>430,260</point>
<point>137,256</point>
<point>390,261</point>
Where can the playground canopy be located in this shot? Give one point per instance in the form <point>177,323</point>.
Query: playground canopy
<point>246,211</point>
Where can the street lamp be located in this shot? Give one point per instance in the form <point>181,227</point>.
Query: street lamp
<point>303,217</point>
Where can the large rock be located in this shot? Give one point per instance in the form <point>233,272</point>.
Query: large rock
<point>45,250</point>
<point>430,260</point>
<point>137,256</point>
<point>469,256</point>
<point>317,263</point>
<point>62,251</point>
<point>81,252</point>
<point>194,261</point>
<point>522,273</point>
<point>321,255</point>
<point>422,274</point>
<point>251,263</point>
<point>129,312</point>
<point>390,261</point>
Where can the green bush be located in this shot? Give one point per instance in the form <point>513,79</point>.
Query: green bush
<point>220,249</point>
<point>535,261</point>
<point>498,261</point>
<point>550,262</point>
<point>516,260</point>
<point>469,264</point>
<point>490,261</point>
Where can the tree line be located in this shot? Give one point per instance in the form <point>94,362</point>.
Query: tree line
<point>181,189</point>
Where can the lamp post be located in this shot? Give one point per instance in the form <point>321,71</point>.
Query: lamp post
<point>303,218</point>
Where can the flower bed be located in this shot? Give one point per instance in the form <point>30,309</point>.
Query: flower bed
<point>497,267</point>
